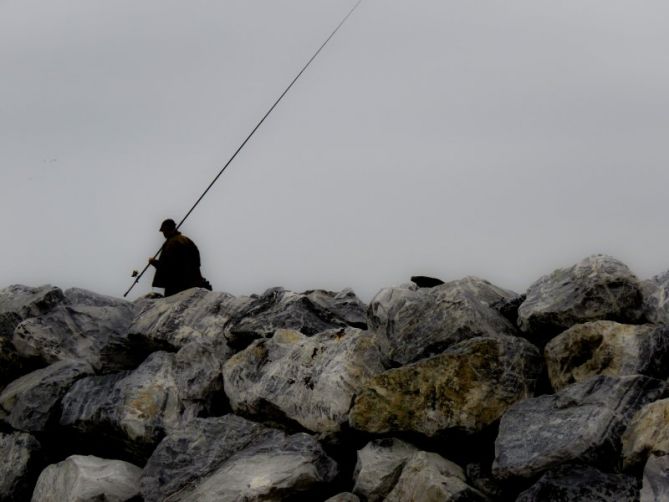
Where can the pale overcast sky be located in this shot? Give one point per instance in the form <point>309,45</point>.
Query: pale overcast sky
<point>446,138</point>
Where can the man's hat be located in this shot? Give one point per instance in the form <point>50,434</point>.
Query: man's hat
<point>168,225</point>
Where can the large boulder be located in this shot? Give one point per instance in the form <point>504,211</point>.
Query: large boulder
<point>656,298</point>
<point>422,322</point>
<point>430,477</point>
<point>581,483</point>
<point>18,303</point>
<point>308,380</point>
<point>379,466</point>
<point>135,409</point>
<point>87,478</point>
<point>19,466</point>
<point>648,433</point>
<point>607,348</point>
<point>87,326</point>
<point>309,313</point>
<point>598,288</point>
<point>193,314</point>
<point>230,458</point>
<point>581,423</point>
<point>655,487</point>
<point>466,388</point>
<point>31,403</point>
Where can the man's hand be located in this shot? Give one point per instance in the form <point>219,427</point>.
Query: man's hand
<point>154,262</point>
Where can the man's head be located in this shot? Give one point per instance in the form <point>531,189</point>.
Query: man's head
<point>168,228</point>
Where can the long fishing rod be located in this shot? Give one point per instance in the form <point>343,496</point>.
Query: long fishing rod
<point>138,276</point>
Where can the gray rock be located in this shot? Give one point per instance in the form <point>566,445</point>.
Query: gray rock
<point>344,497</point>
<point>88,326</point>
<point>648,433</point>
<point>191,315</point>
<point>230,458</point>
<point>655,486</point>
<point>30,403</point>
<point>466,388</point>
<point>423,322</point>
<point>581,483</point>
<point>87,478</point>
<point>309,313</point>
<point>16,304</point>
<point>308,380</point>
<point>137,408</point>
<point>607,348</point>
<point>379,466</point>
<point>656,298</point>
<point>582,423</point>
<point>430,477</point>
<point>19,466</point>
<point>598,288</point>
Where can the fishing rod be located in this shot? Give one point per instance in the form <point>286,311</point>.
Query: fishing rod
<point>138,275</point>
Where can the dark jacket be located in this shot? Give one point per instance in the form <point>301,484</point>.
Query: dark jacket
<point>179,265</point>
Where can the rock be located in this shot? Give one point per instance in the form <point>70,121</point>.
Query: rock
<point>581,483</point>
<point>655,486</point>
<point>379,466</point>
<point>87,326</point>
<point>87,478</point>
<point>21,302</point>
<point>344,497</point>
<point>598,288</point>
<point>19,467</point>
<point>309,313</point>
<point>656,298</point>
<point>607,348</point>
<point>308,380</point>
<point>191,315</point>
<point>648,433</point>
<point>430,477</point>
<point>230,458</point>
<point>16,304</point>
<point>467,388</point>
<point>135,409</point>
<point>31,403</point>
<point>581,423</point>
<point>423,322</point>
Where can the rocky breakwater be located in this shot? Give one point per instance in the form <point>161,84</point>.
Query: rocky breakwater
<point>435,391</point>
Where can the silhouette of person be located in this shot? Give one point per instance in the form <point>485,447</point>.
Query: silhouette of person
<point>178,267</point>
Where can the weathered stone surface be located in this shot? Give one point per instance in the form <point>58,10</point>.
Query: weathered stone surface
<point>21,302</point>
<point>309,380</point>
<point>230,458</point>
<point>31,402</point>
<point>431,478</point>
<point>135,409</point>
<point>87,478</point>
<point>88,326</point>
<point>656,298</point>
<point>19,466</point>
<point>466,388</point>
<point>190,315</point>
<point>379,466</point>
<point>607,348</point>
<point>421,322</point>
<point>598,288</point>
<point>648,433</point>
<point>16,304</point>
<point>655,486</point>
<point>581,483</point>
<point>582,423</point>
<point>344,497</point>
<point>309,313</point>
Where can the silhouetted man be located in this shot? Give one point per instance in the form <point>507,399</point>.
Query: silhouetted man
<point>179,265</point>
